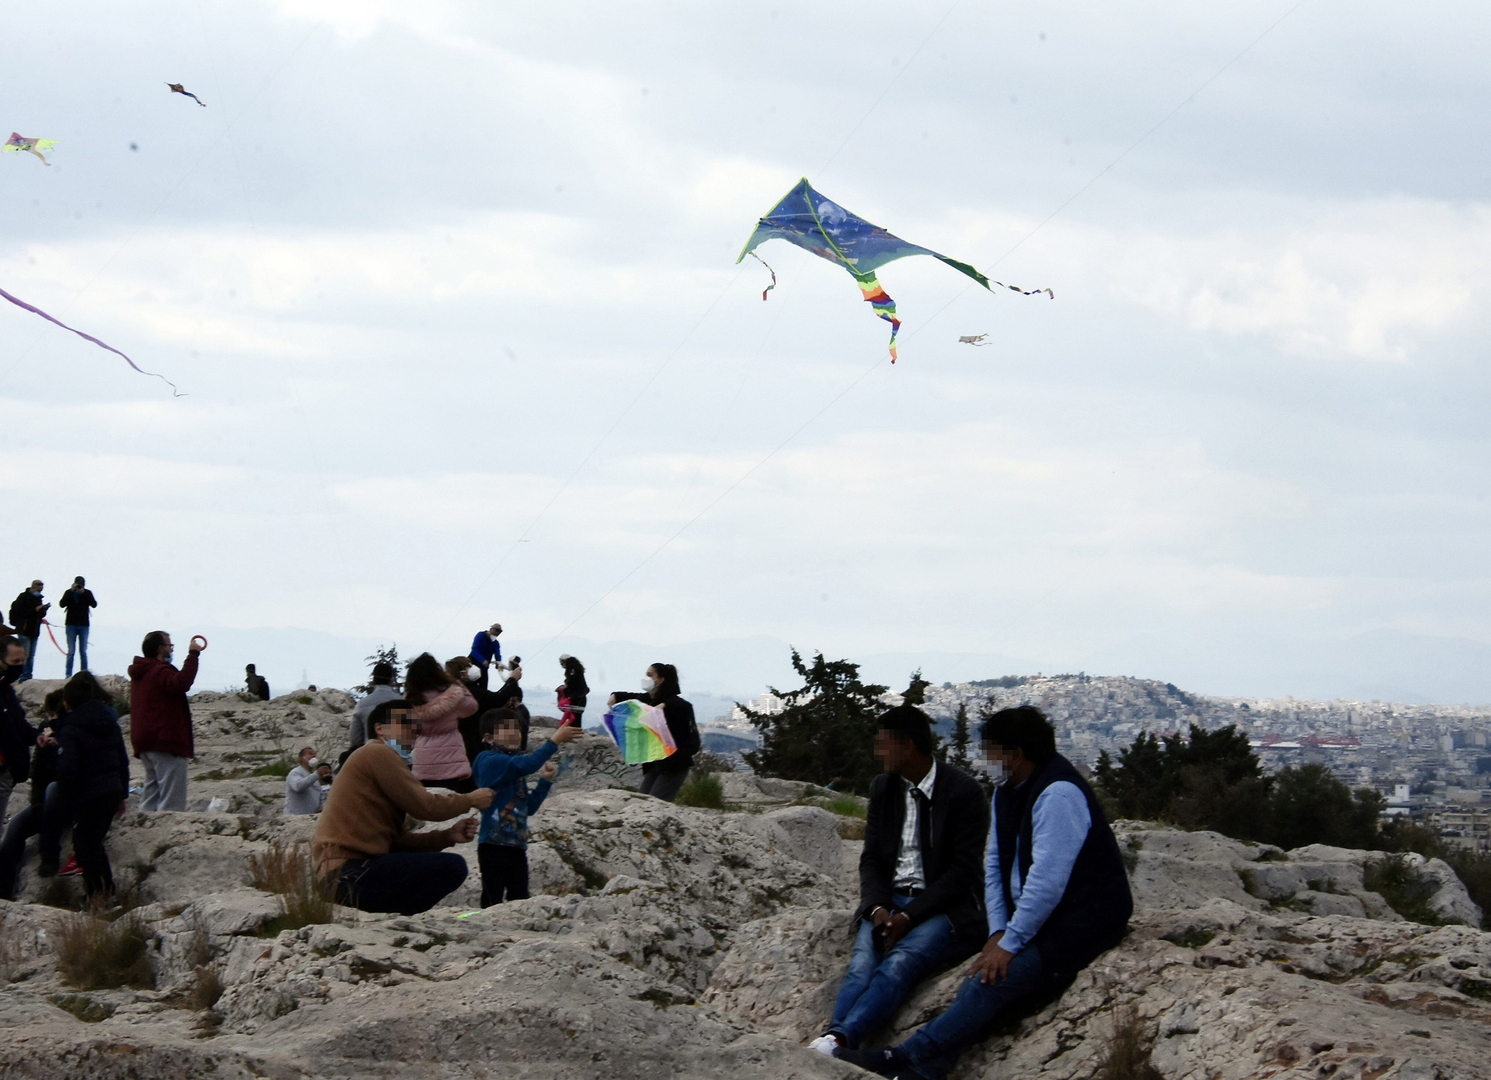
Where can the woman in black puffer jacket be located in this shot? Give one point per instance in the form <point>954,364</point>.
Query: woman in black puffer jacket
<point>92,775</point>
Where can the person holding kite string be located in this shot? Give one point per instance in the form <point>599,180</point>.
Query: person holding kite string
<point>664,777</point>
<point>502,844</point>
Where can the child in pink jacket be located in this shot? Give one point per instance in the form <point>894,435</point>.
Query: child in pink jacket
<point>439,751</point>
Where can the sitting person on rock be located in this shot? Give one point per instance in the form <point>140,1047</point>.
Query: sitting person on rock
<point>1055,888</point>
<point>44,815</point>
<point>921,907</point>
<point>363,839</point>
<point>502,846</point>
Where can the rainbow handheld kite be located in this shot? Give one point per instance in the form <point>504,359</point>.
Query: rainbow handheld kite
<point>804,217</point>
<point>640,731</point>
<point>18,142</point>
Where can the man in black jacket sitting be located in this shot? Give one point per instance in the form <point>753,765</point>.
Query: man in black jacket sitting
<point>921,888</point>
<point>1056,893</point>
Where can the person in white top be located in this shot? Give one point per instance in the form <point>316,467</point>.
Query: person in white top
<point>307,783</point>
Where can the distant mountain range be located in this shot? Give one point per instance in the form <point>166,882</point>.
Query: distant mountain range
<point>1389,665</point>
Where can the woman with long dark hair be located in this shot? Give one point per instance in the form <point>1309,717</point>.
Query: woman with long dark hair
<point>441,703</point>
<point>663,778</point>
<point>573,692</point>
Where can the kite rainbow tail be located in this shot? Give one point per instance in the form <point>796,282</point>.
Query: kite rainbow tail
<point>884,306</point>
<point>773,273</point>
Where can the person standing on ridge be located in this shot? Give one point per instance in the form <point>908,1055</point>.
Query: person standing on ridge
<point>660,687</point>
<point>160,720</point>
<point>573,692</point>
<point>92,776</point>
<point>257,684</point>
<point>26,613</point>
<point>441,704</point>
<point>383,686</point>
<point>76,602</point>
<point>487,651</point>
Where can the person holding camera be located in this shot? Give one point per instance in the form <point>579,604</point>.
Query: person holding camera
<point>306,785</point>
<point>160,720</point>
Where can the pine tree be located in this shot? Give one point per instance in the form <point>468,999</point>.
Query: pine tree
<point>827,729</point>
<point>959,755</point>
<point>916,692</point>
<point>389,655</point>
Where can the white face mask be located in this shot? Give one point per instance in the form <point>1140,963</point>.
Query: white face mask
<point>647,684</point>
<point>994,770</point>
<point>473,673</point>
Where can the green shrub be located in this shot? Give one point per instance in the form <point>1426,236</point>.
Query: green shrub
<point>273,768</point>
<point>704,790</point>
<point>1405,889</point>
<point>846,806</point>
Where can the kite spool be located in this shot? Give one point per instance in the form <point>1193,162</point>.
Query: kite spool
<point>198,637</point>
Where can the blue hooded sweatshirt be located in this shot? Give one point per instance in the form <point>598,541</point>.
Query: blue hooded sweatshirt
<point>505,822</point>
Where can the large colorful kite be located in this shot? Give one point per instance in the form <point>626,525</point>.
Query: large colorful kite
<point>18,142</point>
<point>177,88</point>
<point>640,731</point>
<point>804,217</point>
<point>88,337</point>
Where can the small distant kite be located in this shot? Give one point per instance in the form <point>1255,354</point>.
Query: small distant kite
<point>974,339</point>
<point>17,142</point>
<point>805,218</point>
<point>88,337</point>
<point>177,88</point>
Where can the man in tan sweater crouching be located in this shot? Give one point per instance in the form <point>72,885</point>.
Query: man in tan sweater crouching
<point>363,839</point>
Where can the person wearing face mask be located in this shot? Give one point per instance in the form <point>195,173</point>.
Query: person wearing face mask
<point>160,720</point>
<point>27,612</point>
<point>486,652</point>
<point>363,840</point>
<point>660,687</point>
<point>17,736</point>
<point>1055,890</point>
<point>461,670</point>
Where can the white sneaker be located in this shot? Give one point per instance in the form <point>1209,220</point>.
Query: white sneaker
<point>825,1044</point>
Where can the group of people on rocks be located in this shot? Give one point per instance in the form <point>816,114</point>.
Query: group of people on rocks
<point>1030,884</point>
<point>28,614</point>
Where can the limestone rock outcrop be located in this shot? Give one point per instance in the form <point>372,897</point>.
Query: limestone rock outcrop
<point>676,941</point>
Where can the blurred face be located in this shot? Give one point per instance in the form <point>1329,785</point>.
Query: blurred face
<point>398,728</point>
<point>894,752</point>
<point>15,656</point>
<point>510,737</point>
<point>1004,761</point>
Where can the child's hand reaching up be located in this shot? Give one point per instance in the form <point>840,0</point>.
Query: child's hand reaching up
<point>550,770</point>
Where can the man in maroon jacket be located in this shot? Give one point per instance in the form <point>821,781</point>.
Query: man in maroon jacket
<point>160,720</point>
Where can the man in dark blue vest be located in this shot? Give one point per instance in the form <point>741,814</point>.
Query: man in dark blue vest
<point>1055,889</point>
<point>920,906</point>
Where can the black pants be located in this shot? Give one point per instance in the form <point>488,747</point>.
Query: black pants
<point>405,882</point>
<point>503,870</point>
<point>662,785</point>
<point>91,821</point>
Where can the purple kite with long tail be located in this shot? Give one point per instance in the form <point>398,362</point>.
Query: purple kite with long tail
<point>177,88</point>
<point>89,337</point>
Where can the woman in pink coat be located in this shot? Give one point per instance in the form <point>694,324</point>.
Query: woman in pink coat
<point>439,751</point>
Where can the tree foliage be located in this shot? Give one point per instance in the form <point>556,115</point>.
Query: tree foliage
<point>826,730</point>
<point>959,754</point>
<point>388,655</point>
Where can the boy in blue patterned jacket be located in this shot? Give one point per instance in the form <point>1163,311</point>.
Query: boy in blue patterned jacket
<point>502,844</point>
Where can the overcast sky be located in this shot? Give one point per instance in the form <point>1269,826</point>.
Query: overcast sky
<point>451,290</point>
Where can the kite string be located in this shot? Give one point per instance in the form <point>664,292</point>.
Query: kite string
<point>1131,148</point>
<point>657,372</point>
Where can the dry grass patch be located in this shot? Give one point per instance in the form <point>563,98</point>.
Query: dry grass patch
<point>1127,1053</point>
<point>288,871</point>
<point>94,954</point>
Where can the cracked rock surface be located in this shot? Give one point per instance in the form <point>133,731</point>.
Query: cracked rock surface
<point>674,941</point>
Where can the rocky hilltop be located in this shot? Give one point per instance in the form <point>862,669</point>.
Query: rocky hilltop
<point>674,941</point>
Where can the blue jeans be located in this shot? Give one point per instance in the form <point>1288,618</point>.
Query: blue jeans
<point>935,1048</point>
<point>49,822</point>
<point>77,637</point>
<point>30,643</point>
<point>405,882</point>
<point>876,985</point>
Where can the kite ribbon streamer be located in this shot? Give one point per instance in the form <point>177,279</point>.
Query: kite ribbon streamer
<point>53,637</point>
<point>883,306</point>
<point>89,337</point>
<point>773,273</point>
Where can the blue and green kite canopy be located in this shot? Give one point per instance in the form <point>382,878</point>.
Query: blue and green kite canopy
<point>805,218</point>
